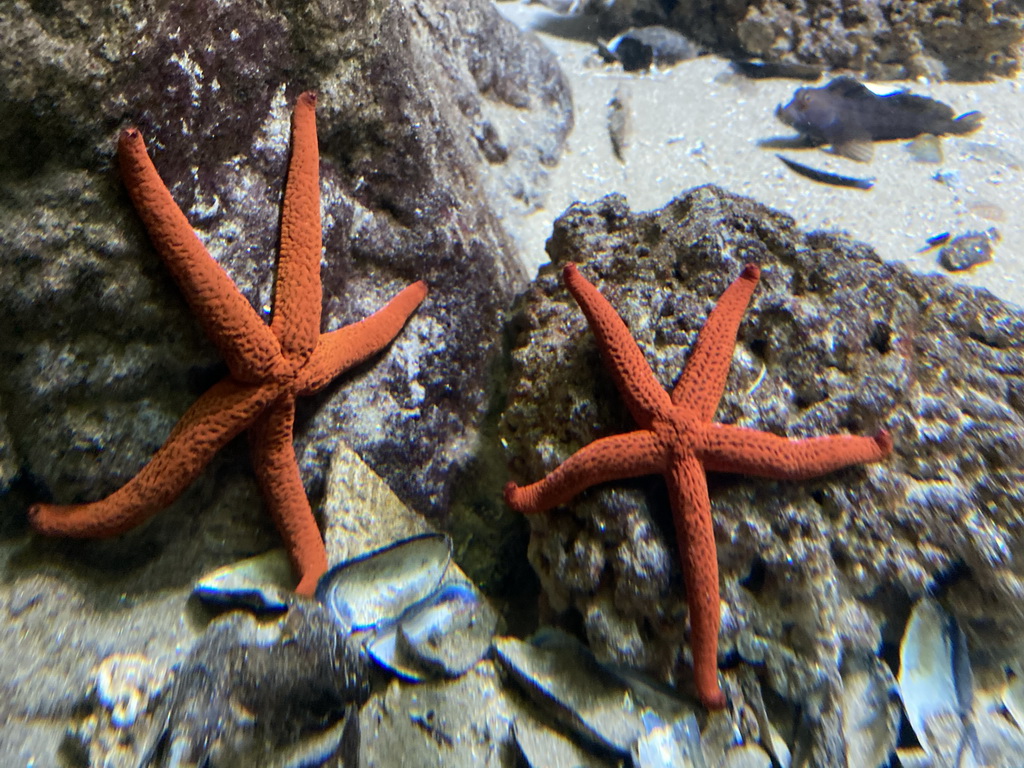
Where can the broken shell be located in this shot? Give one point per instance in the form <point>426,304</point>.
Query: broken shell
<point>441,636</point>
<point>451,632</point>
<point>566,679</point>
<point>374,589</point>
<point>664,745</point>
<point>262,584</point>
<point>933,681</point>
<point>1013,700</point>
<point>871,714</point>
<point>126,683</point>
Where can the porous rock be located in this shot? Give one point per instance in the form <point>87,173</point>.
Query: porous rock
<point>835,341</point>
<point>885,39</point>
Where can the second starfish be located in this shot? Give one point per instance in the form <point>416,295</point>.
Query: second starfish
<point>269,366</point>
<point>678,440</point>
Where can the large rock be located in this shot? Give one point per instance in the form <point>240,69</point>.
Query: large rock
<point>835,341</point>
<point>436,120</point>
<point>435,123</point>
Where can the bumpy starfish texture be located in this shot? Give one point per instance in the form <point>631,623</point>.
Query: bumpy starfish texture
<point>678,439</point>
<point>269,366</point>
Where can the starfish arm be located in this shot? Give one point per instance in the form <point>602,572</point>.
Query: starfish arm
<point>610,458</point>
<point>297,293</point>
<point>214,419</point>
<point>346,347</point>
<point>633,377</point>
<point>703,379</point>
<point>249,347</point>
<point>695,536</point>
<point>277,472</point>
<point>729,448</point>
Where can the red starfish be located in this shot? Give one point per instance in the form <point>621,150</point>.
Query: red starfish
<point>678,440</point>
<point>269,366</point>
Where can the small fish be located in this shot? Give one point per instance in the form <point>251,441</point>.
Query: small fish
<point>762,70</point>
<point>620,122</point>
<point>847,115</point>
<point>825,177</point>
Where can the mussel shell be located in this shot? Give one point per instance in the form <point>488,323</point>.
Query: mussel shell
<point>451,631</point>
<point>668,745</point>
<point>871,714</point>
<point>443,635</point>
<point>262,584</point>
<point>372,590</point>
<point>934,680</point>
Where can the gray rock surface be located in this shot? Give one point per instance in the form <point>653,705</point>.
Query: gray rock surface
<point>887,39</point>
<point>835,341</point>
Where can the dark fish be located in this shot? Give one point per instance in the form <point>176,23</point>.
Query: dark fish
<point>825,177</point>
<point>849,116</point>
<point>763,70</point>
<point>620,122</point>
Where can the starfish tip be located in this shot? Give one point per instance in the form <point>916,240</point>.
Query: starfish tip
<point>569,271</point>
<point>307,98</point>
<point>751,272</point>
<point>884,441</point>
<point>511,493</point>
<point>40,517</point>
<point>714,700</point>
<point>33,513</point>
<point>129,135</point>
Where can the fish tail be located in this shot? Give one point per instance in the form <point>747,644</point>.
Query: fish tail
<point>967,122</point>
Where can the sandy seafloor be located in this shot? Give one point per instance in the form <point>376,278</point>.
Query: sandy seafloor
<point>699,122</point>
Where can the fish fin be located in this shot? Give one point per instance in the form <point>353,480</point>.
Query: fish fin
<point>967,122</point>
<point>849,88</point>
<point>861,150</point>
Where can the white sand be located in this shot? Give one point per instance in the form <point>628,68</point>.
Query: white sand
<point>698,123</point>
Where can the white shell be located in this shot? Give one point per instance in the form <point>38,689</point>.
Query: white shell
<point>374,589</point>
<point>927,679</point>
<point>871,713</point>
<point>260,583</point>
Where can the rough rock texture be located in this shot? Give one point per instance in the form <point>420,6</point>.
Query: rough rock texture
<point>436,119</point>
<point>885,38</point>
<point>834,341</point>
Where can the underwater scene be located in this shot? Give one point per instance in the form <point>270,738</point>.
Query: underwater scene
<point>526,384</point>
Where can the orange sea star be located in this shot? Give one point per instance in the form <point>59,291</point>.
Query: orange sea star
<point>678,440</point>
<point>269,366</point>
